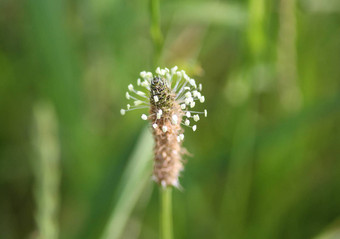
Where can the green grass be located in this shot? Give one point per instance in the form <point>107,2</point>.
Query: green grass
<point>265,162</point>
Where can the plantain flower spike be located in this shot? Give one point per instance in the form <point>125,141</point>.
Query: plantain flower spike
<point>170,96</point>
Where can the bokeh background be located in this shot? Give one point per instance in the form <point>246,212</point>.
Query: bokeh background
<point>266,161</point>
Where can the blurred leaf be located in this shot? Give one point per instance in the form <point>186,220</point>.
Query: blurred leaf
<point>217,13</point>
<point>136,176</point>
<point>332,233</point>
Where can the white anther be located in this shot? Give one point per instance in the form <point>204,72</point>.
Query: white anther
<point>187,101</point>
<point>187,122</point>
<point>127,95</point>
<point>122,112</point>
<point>141,93</point>
<point>178,139</point>
<point>196,118</point>
<point>174,119</point>
<point>128,106</point>
<point>143,74</point>
<point>200,87</point>
<point>194,128</point>
<point>148,74</point>
<point>138,81</point>
<point>144,117</point>
<point>138,102</point>
<point>164,128</point>
<point>145,84</point>
<point>192,104</point>
<point>202,99</point>
<point>154,126</point>
<point>130,87</point>
<point>174,69</point>
<point>192,82</point>
<point>181,136</point>
<point>183,106</point>
<point>188,114</point>
<point>158,71</point>
<point>155,98</point>
<point>188,94</point>
<point>205,113</point>
<point>159,114</point>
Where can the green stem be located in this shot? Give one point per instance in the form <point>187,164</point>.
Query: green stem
<point>155,29</point>
<point>166,213</point>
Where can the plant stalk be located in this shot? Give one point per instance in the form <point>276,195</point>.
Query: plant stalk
<point>166,213</point>
<point>155,30</point>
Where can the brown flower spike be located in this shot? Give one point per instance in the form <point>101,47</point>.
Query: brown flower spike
<point>169,95</point>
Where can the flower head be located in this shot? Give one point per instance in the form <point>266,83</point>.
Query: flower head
<point>170,96</point>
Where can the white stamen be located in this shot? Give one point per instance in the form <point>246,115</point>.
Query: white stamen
<point>194,128</point>
<point>187,122</point>
<point>202,99</point>
<point>138,81</point>
<point>192,104</point>
<point>138,102</point>
<point>174,69</point>
<point>205,113</point>
<point>140,93</point>
<point>122,112</point>
<point>144,117</point>
<point>155,98</point>
<point>181,136</point>
<point>183,106</point>
<point>174,119</point>
<point>148,74</point>
<point>188,94</point>
<point>196,94</point>
<point>188,114</point>
<point>196,118</point>
<point>187,101</point>
<point>164,128</point>
<point>143,74</point>
<point>145,84</point>
<point>127,95</point>
<point>159,114</point>
<point>128,106</point>
<point>130,87</point>
<point>154,126</point>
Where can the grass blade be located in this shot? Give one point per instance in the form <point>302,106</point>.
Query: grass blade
<point>134,180</point>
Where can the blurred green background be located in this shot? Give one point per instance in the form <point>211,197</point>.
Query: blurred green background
<point>266,161</point>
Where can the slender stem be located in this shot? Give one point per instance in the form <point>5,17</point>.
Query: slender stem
<point>155,29</point>
<point>166,213</point>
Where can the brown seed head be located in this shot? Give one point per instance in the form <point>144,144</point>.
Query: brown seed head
<point>168,150</point>
<point>170,96</point>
